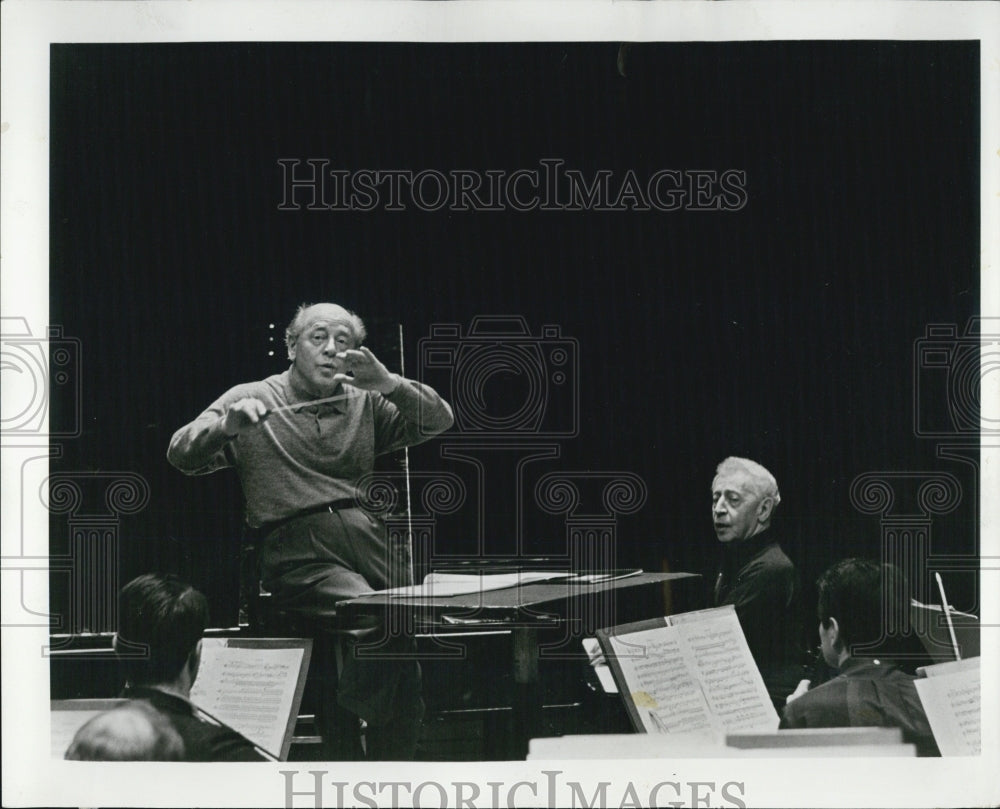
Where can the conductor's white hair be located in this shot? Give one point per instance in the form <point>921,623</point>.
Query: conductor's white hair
<point>760,480</point>
<point>298,321</point>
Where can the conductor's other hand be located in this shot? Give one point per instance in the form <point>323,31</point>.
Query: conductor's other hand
<point>244,415</point>
<point>363,370</point>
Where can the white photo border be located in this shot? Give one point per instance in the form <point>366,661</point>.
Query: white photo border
<point>31,778</point>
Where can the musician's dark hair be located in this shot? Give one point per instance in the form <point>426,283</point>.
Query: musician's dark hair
<point>865,597</point>
<point>165,615</point>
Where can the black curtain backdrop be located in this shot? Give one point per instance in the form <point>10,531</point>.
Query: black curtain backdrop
<point>784,331</point>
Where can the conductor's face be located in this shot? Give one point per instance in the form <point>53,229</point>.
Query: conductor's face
<point>736,509</point>
<point>326,332</point>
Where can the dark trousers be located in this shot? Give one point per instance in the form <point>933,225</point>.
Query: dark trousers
<point>311,563</point>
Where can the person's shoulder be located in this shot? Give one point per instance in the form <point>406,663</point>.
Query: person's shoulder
<point>884,670</point>
<point>275,384</point>
<point>222,743</point>
<point>206,741</point>
<point>161,701</point>
<point>269,390</point>
<point>771,560</point>
<point>821,706</point>
<point>179,714</point>
<point>774,556</point>
<point>203,741</point>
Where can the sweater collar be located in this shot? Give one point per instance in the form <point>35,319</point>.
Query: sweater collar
<point>857,665</point>
<point>296,394</point>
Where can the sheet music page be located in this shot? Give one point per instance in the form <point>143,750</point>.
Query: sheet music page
<point>727,672</point>
<point>709,614</point>
<point>432,590</point>
<point>607,575</point>
<point>952,704</point>
<point>251,690</point>
<point>496,581</point>
<point>662,684</point>
<point>950,667</point>
<point>457,584</point>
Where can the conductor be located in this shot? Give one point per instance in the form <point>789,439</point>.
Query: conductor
<point>299,442</point>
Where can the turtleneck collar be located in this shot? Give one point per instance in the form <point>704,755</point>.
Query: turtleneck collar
<point>741,552</point>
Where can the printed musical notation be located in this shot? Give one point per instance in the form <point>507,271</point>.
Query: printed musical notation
<point>695,675</point>
<point>951,698</point>
<point>732,683</point>
<point>250,690</point>
<point>664,686</point>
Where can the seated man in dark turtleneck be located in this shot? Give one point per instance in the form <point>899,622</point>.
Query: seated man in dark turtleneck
<point>755,575</point>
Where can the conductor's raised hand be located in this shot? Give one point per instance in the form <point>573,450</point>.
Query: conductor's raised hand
<point>364,370</point>
<point>243,416</point>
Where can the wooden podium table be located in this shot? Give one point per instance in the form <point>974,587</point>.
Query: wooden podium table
<point>565,610</point>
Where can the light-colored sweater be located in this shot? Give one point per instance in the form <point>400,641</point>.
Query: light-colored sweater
<point>309,455</point>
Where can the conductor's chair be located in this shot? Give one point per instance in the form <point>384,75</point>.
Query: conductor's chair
<point>324,730</point>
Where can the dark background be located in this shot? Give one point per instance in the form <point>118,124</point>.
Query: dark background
<point>784,332</point>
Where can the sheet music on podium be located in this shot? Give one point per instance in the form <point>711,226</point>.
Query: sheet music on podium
<point>690,674</point>
<point>254,686</point>
<point>950,693</point>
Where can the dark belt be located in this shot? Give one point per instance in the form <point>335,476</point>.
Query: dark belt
<point>267,528</point>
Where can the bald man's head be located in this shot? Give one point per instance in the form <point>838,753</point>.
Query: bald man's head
<point>310,313</point>
<point>135,731</point>
<point>317,338</point>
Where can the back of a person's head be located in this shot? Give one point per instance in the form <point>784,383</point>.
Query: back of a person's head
<point>165,615</point>
<point>132,732</point>
<point>866,598</point>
